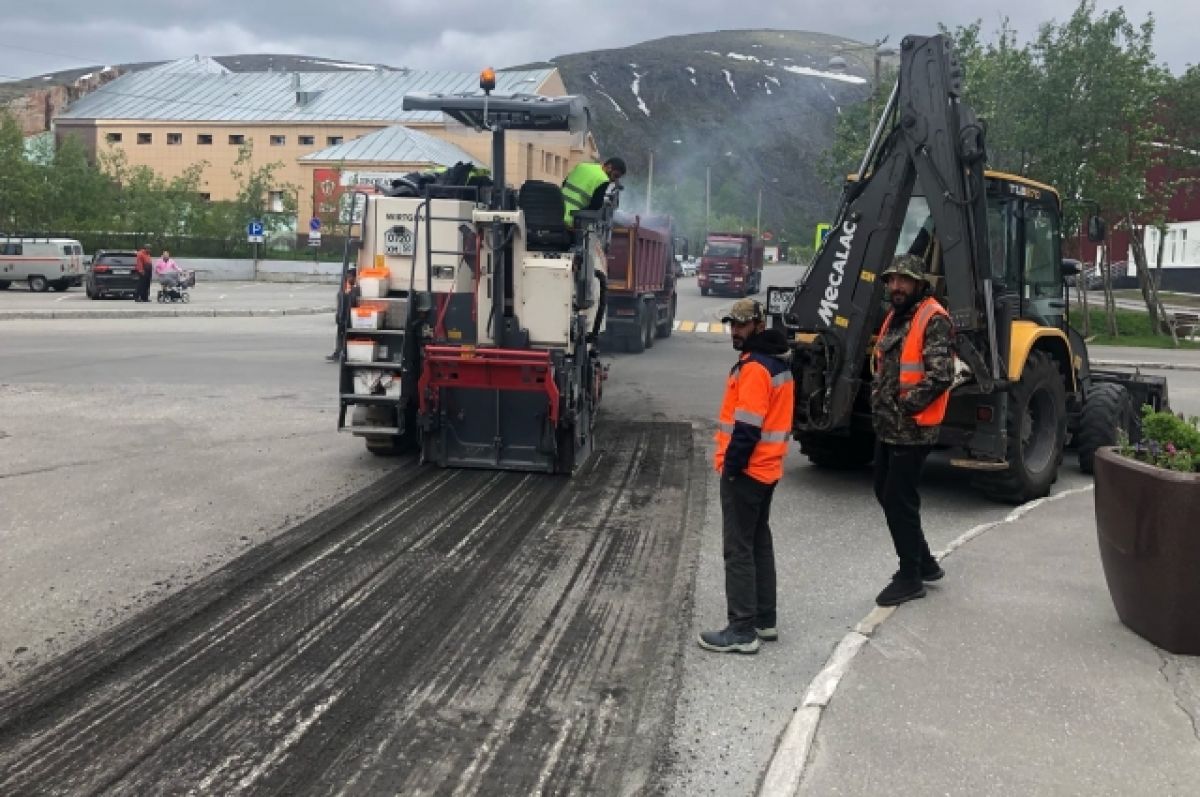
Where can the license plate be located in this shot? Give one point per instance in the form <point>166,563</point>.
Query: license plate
<point>720,279</point>
<point>121,271</point>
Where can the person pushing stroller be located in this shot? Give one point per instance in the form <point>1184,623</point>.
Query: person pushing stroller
<point>173,280</point>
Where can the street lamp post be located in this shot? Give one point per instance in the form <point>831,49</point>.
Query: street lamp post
<point>880,51</point>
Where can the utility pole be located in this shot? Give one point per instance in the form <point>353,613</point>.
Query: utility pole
<point>707,189</point>
<point>650,184</point>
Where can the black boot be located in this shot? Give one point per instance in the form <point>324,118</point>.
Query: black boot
<point>903,588</point>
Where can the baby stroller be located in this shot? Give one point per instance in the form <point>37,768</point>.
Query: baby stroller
<point>173,286</point>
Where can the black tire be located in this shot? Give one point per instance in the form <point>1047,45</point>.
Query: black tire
<point>1037,424</point>
<point>1107,411</point>
<point>59,287</point>
<point>4,285</point>
<point>91,293</point>
<point>38,284</point>
<point>667,327</point>
<point>636,342</point>
<point>704,291</point>
<point>648,326</point>
<point>185,298</point>
<point>839,452</point>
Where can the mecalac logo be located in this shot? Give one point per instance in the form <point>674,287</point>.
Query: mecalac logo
<point>829,302</point>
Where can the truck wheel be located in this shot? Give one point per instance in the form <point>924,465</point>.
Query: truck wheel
<point>38,284</point>
<point>59,285</point>
<point>4,285</point>
<point>1107,411</point>
<point>704,291</point>
<point>635,342</point>
<point>648,316</point>
<point>1037,423</point>
<point>839,452</point>
<point>667,327</point>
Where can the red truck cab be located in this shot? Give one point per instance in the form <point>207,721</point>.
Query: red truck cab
<point>731,263</point>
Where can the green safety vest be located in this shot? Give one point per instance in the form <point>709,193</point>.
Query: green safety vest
<point>579,186</point>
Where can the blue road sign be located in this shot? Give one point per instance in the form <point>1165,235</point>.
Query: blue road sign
<point>254,228</point>
<point>314,224</point>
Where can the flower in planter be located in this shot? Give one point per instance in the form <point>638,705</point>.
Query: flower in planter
<point>1168,441</point>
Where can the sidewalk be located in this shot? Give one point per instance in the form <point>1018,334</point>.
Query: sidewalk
<point>1014,676</point>
<point>207,299</point>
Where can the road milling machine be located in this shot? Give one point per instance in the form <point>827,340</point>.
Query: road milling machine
<point>474,313</point>
<point>1024,386</point>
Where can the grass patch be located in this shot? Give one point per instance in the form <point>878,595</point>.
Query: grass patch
<point>1133,329</point>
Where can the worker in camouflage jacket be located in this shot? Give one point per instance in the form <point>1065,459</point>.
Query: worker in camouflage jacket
<point>913,369</point>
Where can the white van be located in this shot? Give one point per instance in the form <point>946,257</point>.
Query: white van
<point>40,263</point>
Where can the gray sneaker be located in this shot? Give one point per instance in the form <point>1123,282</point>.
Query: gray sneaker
<point>767,634</point>
<point>729,641</point>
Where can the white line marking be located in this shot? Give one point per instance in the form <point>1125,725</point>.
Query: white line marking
<point>788,762</point>
<point>701,326</point>
<point>676,325</point>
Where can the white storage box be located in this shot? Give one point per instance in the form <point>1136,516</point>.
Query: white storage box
<point>366,380</point>
<point>366,317</point>
<point>391,384</point>
<point>360,351</point>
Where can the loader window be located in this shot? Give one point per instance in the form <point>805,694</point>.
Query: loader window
<point>1043,263</point>
<point>1001,233</point>
<point>916,219</point>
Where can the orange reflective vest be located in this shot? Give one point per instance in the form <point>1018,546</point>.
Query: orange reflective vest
<point>912,358</point>
<point>756,418</point>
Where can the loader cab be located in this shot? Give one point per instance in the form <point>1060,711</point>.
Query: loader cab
<point>1025,242</point>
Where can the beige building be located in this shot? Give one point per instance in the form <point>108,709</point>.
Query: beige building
<point>195,111</point>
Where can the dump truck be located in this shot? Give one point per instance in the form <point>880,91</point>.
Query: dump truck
<point>991,242</point>
<point>474,308</point>
<point>731,263</point>
<point>641,296</point>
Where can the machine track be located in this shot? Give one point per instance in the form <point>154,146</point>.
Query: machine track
<point>443,632</point>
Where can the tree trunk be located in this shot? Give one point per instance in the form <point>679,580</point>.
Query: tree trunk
<point>1159,312</point>
<point>1110,300</point>
<point>1144,283</point>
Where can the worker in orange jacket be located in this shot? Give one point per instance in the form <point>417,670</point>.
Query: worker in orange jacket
<point>913,368</point>
<point>752,439</point>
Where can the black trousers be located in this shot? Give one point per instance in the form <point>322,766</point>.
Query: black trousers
<point>143,287</point>
<point>897,482</point>
<point>749,552</point>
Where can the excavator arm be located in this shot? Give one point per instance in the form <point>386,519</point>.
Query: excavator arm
<point>928,142</point>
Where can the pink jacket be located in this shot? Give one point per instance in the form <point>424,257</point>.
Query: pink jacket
<point>164,265</point>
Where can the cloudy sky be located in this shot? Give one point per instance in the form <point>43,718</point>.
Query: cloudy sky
<point>50,35</point>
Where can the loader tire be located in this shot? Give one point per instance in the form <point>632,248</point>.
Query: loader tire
<point>1037,433</point>
<point>837,452</point>
<point>648,323</point>
<point>1107,411</point>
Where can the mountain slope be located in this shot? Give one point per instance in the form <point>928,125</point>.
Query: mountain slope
<point>756,107</point>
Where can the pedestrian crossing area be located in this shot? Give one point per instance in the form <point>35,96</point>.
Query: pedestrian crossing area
<point>701,327</point>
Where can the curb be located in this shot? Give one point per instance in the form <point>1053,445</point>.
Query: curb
<point>1148,366</point>
<point>790,759</point>
<point>46,315</point>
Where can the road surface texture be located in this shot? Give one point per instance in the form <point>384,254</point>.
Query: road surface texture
<point>442,632</point>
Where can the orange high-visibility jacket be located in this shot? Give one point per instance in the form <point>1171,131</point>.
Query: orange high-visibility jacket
<point>756,418</point>
<point>912,358</point>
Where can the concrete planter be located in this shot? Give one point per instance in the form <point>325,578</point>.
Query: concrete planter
<point>1148,522</point>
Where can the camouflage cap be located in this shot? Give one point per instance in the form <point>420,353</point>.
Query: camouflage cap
<point>908,265</point>
<point>744,310</point>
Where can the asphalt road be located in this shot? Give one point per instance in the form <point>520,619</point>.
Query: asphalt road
<point>143,457</point>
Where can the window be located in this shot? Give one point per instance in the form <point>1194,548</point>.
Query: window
<point>204,138</point>
<point>68,249</point>
<point>237,139</point>
<point>1043,268</point>
<point>307,141</point>
<point>332,141</point>
<point>278,141</point>
<point>174,139</point>
<point>113,138</point>
<point>145,138</point>
<point>205,196</point>
<point>275,201</point>
<point>547,161</point>
<point>12,249</point>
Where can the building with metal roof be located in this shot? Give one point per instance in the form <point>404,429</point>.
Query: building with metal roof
<point>194,111</point>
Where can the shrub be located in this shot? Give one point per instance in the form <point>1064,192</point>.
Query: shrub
<point>1168,441</point>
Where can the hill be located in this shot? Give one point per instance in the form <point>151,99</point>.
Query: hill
<point>757,108</point>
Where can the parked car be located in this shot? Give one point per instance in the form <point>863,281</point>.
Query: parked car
<point>688,266</point>
<point>111,274</point>
<point>42,263</point>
